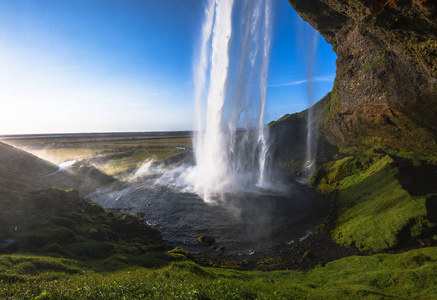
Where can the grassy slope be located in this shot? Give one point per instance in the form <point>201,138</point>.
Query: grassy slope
<point>58,222</point>
<point>62,223</point>
<point>21,172</point>
<point>375,212</point>
<point>409,275</point>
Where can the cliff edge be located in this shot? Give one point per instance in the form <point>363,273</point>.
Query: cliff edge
<point>385,92</point>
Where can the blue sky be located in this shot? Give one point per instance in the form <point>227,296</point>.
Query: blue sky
<point>127,65</point>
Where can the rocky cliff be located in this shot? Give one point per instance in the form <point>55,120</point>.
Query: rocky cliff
<point>385,93</point>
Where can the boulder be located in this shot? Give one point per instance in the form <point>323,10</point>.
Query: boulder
<point>206,240</point>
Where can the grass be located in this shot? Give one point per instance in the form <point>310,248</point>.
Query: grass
<point>407,275</point>
<point>61,223</point>
<point>21,172</point>
<point>375,212</point>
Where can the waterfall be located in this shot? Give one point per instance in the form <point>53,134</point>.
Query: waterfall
<point>231,142</point>
<point>311,142</point>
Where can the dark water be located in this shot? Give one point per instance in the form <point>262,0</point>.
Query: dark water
<point>243,223</point>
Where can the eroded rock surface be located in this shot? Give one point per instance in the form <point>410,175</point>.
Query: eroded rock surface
<point>386,84</point>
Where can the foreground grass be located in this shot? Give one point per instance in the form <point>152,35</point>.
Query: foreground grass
<point>406,275</point>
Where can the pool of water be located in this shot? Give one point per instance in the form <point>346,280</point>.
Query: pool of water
<point>241,223</point>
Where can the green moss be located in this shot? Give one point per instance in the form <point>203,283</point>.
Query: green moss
<point>374,64</point>
<point>373,207</point>
<point>395,133</point>
<point>178,251</point>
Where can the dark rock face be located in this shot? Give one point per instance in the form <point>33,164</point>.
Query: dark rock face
<point>288,138</point>
<point>386,70</point>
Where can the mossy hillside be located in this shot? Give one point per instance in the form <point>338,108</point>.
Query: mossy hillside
<point>21,172</point>
<point>62,223</point>
<point>289,136</point>
<point>374,211</point>
<point>407,275</point>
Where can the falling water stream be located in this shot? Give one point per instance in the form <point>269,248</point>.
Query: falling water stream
<point>231,145</point>
<point>311,142</point>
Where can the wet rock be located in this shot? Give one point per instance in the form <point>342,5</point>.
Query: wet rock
<point>182,251</point>
<point>206,240</point>
<point>140,215</point>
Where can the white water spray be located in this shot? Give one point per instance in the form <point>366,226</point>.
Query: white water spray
<point>231,145</point>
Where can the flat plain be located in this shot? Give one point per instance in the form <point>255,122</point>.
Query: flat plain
<point>115,154</point>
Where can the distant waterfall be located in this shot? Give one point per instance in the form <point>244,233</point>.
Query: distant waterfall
<point>311,142</point>
<point>231,144</point>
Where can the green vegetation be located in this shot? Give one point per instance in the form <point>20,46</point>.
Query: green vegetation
<point>22,172</point>
<point>398,132</point>
<point>408,275</point>
<point>375,212</point>
<point>62,223</point>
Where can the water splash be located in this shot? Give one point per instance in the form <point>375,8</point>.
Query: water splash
<point>231,145</point>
